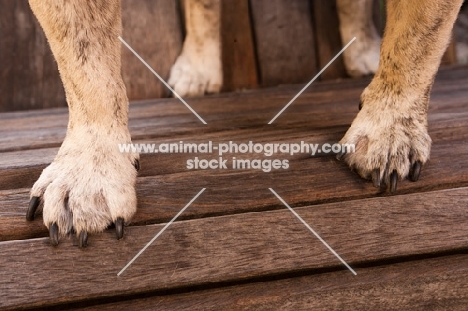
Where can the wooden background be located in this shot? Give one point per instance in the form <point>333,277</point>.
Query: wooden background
<point>265,43</point>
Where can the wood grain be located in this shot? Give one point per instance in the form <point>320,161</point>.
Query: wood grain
<point>233,248</point>
<point>325,104</point>
<point>28,72</point>
<point>328,39</point>
<point>285,41</point>
<point>313,180</point>
<point>237,238</point>
<point>153,29</point>
<point>432,284</point>
<point>308,181</point>
<point>238,50</point>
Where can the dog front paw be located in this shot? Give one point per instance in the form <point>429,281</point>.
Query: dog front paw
<point>89,185</point>
<point>197,70</point>
<point>390,140</point>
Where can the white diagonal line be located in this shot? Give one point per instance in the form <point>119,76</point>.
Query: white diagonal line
<point>311,81</point>
<point>162,80</point>
<point>312,230</point>
<point>160,232</point>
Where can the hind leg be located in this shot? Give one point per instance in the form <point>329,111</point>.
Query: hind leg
<point>362,57</point>
<point>198,69</point>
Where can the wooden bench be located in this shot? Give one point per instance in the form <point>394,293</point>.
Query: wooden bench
<point>237,247</point>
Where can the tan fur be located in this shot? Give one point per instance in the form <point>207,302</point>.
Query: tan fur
<point>90,183</point>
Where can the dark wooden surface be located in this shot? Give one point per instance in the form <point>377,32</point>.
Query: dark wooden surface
<point>264,42</point>
<point>237,247</point>
<point>432,284</point>
<point>326,26</point>
<point>153,29</point>
<point>286,50</point>
<point>238,46</point>
<point>29,76</point>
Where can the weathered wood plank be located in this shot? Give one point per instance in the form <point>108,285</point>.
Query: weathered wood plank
<point>233,248</point>
<point>290,59</point>
<point>324,104</point>
<point>153,29</point>
<point>444,126</point>
<point>431,284</point>
<point>28,72</point>
<point>314,179</point>
<point>328,39</point>
<point>238,50</point>
<point>308,181</point>
<point>305,122</point>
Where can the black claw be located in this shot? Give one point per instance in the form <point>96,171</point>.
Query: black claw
<point>72,231</point>
<point>119,228</point>
<point>340,156</point>
<point>83,239</point>
<point>53,234</point>
<point>33,205</point>
<point>376,177</point>
<point>415,170</point>
<point>393,181</point>
<point>137,164</point>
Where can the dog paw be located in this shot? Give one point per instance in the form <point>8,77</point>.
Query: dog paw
<point>361,58</point>
<point>197,70</point>
<point>390,140</point>
<point>89,185</point>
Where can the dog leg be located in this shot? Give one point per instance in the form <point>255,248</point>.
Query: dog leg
<point>90,184</point>
<point>198,69</point>
<point>390,131</point>
<point>362,57</point>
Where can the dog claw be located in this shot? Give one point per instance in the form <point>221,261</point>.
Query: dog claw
<point>393,181</point>
<point>137,165</point>
<point>33,205</point>
<point>340,156</point>
<point>376,178</point>
<point>415,170</point>
<point>83,239</point>
<point>53,234</point>
<point>119,228</point>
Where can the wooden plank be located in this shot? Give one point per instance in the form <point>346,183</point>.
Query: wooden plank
<point>7,24</point>
<point>168,117</point>
<point>285,41</point>
<point>238,50</point>
<point>308,181</point>
<point>153,29</point>
<point>447,115</point>
<point>29,74</point>
<point>328,39</point>
<point>233,248</point>
<point>379,15</point>
<point>431,284</point>
<point>323,123</point>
